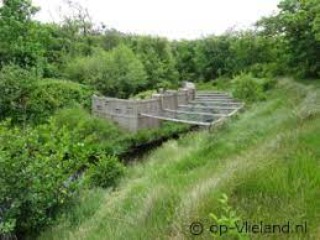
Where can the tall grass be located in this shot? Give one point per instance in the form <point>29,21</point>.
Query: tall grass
<point>266,160</point>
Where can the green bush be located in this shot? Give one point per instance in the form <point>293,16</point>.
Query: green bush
<point>50,95</point>
<point>16,87</point>
<point>247,88</point>
<point>144,95</point>
<point>51,71</point>
<point>106,172</point>
<point>36,165</point>
<point>268,83</point>
<point>39,165</point>
<point>97,132</point>
<point>26,98</point>
<point>86,70</point>
<point>118,73</point>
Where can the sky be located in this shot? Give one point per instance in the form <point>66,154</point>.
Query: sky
<point>174,19</point>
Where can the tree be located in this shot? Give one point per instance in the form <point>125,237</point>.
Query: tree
<point>78,29</point>
<point>156,55</point>
<point>184,53</point>
<point>298,23</point>
<point>213,57</point>
<point>118,73</point>
<point>124,73</point>
<point>20,37</point>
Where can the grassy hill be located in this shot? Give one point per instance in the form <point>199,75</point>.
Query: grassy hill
<point>266,160</point>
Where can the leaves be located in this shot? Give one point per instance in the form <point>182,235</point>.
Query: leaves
<point>228,218</point>
<point>21,39</point>
<point>38,168</point>
<point>118,73</point>
<point>298,25</point>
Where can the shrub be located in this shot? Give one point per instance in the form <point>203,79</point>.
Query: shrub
<point>118,73</point>
<point>268,83</point>
<point>27,98</point>
<point>50,95</point>
<point>16,85</point>
<point>164,85</point>
<point>248,88</point>
<point>97,132</point>
<point>262,70</point>
<point>221,83</point>
<point>36,165</point>
<point>144,95</point>
<point>105,172</point>
<point>51,71</point>
<point>39,165</point>
<point>86,70</point>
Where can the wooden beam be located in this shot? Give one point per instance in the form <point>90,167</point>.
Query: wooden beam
<point>215,103</point>
<point>195,113</point>
<point>193,106</point>
<point>217,99</point>
<point>211,93</point>
<point>176,120</point>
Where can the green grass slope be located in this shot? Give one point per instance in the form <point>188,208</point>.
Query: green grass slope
<point>267,160</point>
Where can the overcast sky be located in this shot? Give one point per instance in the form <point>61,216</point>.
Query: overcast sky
<point>174,19</point>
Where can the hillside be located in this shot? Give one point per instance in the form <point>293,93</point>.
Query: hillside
<point>266,160</point>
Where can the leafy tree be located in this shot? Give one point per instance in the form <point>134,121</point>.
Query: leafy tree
<point>125,74</point>
<point>156,55</point>
<point>21,38</point>
<point>111,39</point>
<point>117,73</point>
<point>184,54</point>
<point>213,57</point>
<point>298,24</point>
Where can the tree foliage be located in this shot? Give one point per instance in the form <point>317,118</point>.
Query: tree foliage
<point>118,73</point>
<point>39,165</point>
<point>21,38</point>
<point>27,98</point>
<point>298,25</point>
<point>156,55</point>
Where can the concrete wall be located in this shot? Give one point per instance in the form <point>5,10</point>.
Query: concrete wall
<point>127,112</point>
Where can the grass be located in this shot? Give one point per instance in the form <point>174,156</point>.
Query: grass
<point>267,160</point>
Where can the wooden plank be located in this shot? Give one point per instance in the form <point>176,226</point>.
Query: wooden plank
<point>193,106</point>
<point>176,120</point>
<point>218,100</point>
<point>195,113</point>
<point>211,93</point>
<point>233,112</point>
<point>215,103</point>
<point>215,97</point>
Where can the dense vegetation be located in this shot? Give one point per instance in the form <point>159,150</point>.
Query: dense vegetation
<point>52,151</point>
<point>266,160</point>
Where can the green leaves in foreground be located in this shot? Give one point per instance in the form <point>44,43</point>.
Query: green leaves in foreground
<point>39,167</point>
<point>228,219</point>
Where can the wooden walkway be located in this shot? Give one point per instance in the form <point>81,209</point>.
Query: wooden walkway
<point>207,109</point>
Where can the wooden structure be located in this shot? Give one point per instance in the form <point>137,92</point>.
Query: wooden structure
<point>185,106</point>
